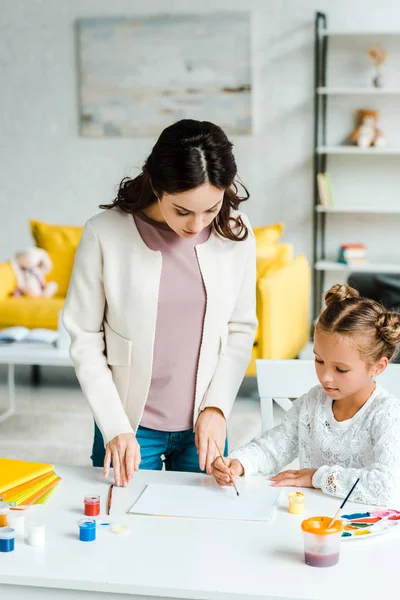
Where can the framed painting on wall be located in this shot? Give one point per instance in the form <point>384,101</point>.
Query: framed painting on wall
<point>139,75</point>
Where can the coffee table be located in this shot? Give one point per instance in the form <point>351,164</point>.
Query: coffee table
<point>188,559</point>
<point>19,353</point>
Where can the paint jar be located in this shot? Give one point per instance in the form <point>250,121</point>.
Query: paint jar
<point>4,510</point>
<point>16,520</point>
<point>7,539</point>
<point>87,530</point>
<point>92,506</point>
<point>36,533</point>
<point>296,503</point>
<point>321,542</point>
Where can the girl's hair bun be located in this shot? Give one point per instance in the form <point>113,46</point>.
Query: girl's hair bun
<point>388,328</point>
<point>339,293</point>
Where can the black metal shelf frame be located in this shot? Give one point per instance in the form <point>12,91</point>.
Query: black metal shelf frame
<point>320,160</point>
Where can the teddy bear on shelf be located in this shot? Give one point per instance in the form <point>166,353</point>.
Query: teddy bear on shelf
<point>31,267</point>
<point>367,132</point>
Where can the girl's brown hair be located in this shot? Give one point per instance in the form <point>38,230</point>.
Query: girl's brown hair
<point>376,330</point>
<point>188,154</point>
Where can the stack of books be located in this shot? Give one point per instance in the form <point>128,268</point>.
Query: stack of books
<point>25,483</point>
<point>353,254</point>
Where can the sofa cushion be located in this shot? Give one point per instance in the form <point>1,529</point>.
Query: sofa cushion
<point>283,256</point>
<point>267,239</point>
<point>61,242</point>
<point>30,312</point>
<point>267,247</point>
<point>8,280</point>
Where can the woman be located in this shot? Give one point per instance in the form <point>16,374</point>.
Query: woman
<point>161,307</point>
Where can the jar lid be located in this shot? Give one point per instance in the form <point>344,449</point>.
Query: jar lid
<point>92,499</point>
<point>320,526</point>
<point>7,533</point>
<point>35,526</point>
<point>4,508</point>
<point>87,523</point>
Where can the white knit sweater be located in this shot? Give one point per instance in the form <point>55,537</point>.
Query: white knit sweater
<point>366,446</point>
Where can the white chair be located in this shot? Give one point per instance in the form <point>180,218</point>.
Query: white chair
<point>279,380</point>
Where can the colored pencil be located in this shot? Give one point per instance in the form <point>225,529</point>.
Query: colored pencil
<point>223,460</point>
<point>343,503</point>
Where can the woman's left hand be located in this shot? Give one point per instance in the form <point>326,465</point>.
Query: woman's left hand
<point>210,428</point>
<point>301,478</point>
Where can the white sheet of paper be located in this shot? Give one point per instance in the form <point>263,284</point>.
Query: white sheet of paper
<point>205,502</point>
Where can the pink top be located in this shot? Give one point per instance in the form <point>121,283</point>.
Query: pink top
<point>179,327</point>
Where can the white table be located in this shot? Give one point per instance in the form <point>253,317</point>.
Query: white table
<point>28,354</point>
<point>188,558</point>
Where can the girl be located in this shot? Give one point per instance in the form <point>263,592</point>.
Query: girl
<point>348,426</point>
<point>161,307</point>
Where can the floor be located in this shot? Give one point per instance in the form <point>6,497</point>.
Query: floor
<point>54,424</point>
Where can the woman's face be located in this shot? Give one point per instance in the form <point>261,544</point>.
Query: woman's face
<point>190,212</point>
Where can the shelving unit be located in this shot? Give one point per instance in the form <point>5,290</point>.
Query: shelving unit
<point>331,265</point>
<point>336,32</point>
<point>337,91</point>
<point>356,150</point>
<point>373,210</point>
<point>322,92</point>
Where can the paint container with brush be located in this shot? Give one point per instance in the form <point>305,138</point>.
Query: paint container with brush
<point>322,541</point>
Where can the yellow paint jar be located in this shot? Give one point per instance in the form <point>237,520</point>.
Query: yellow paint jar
<point>4,510</point>
<point>296,503</point>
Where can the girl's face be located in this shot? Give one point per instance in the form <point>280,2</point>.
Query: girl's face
<point>340,370</point>
<point>190,212</point>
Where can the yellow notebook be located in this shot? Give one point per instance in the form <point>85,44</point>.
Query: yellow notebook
<point>4,496</point>
<point>21,497</point>
<point>43,491</point>
<point>46,496</point>
<point>17,472</point>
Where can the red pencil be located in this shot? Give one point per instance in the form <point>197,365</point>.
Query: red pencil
<point>110,493</point>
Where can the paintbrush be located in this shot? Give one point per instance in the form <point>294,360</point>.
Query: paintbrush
<point>223,460</point>
<point>109,501</point>
<point>343,503</point>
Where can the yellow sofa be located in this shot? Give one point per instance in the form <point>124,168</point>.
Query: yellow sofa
<point>283,290</point>
<point>283,298</point>
<point>60,242</point>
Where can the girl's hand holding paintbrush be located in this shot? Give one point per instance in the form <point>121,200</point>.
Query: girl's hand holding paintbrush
<point>224,473</point>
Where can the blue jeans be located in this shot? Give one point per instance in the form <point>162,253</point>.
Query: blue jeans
<point>176,450</point>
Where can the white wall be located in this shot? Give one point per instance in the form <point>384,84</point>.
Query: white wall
<point>48,172</point>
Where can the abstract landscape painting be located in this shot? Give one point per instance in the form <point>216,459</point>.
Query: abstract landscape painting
<point>137,76</point>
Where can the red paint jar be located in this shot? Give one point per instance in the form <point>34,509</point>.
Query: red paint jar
<point>92,506</point>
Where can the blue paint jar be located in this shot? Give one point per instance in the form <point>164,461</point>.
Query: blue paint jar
<point>87,530</point>
<point>7,539</point>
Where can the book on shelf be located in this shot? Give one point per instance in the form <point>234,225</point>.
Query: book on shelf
<point>353,254</point>
<point>324,189</point>
<point>23,334</point>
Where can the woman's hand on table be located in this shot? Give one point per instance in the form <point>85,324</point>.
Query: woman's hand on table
<point>224,473</point>
<point>210,428</point>
<point>124,453</point>
<point>301,478</point>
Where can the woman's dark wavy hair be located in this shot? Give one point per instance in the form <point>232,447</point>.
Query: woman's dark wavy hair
<point>187,155</point>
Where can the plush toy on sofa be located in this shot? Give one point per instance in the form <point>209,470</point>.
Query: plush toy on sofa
<point>367,133</point>
<point>30,267</point>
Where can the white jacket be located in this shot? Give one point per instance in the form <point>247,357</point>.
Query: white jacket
<point>111,310</point>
